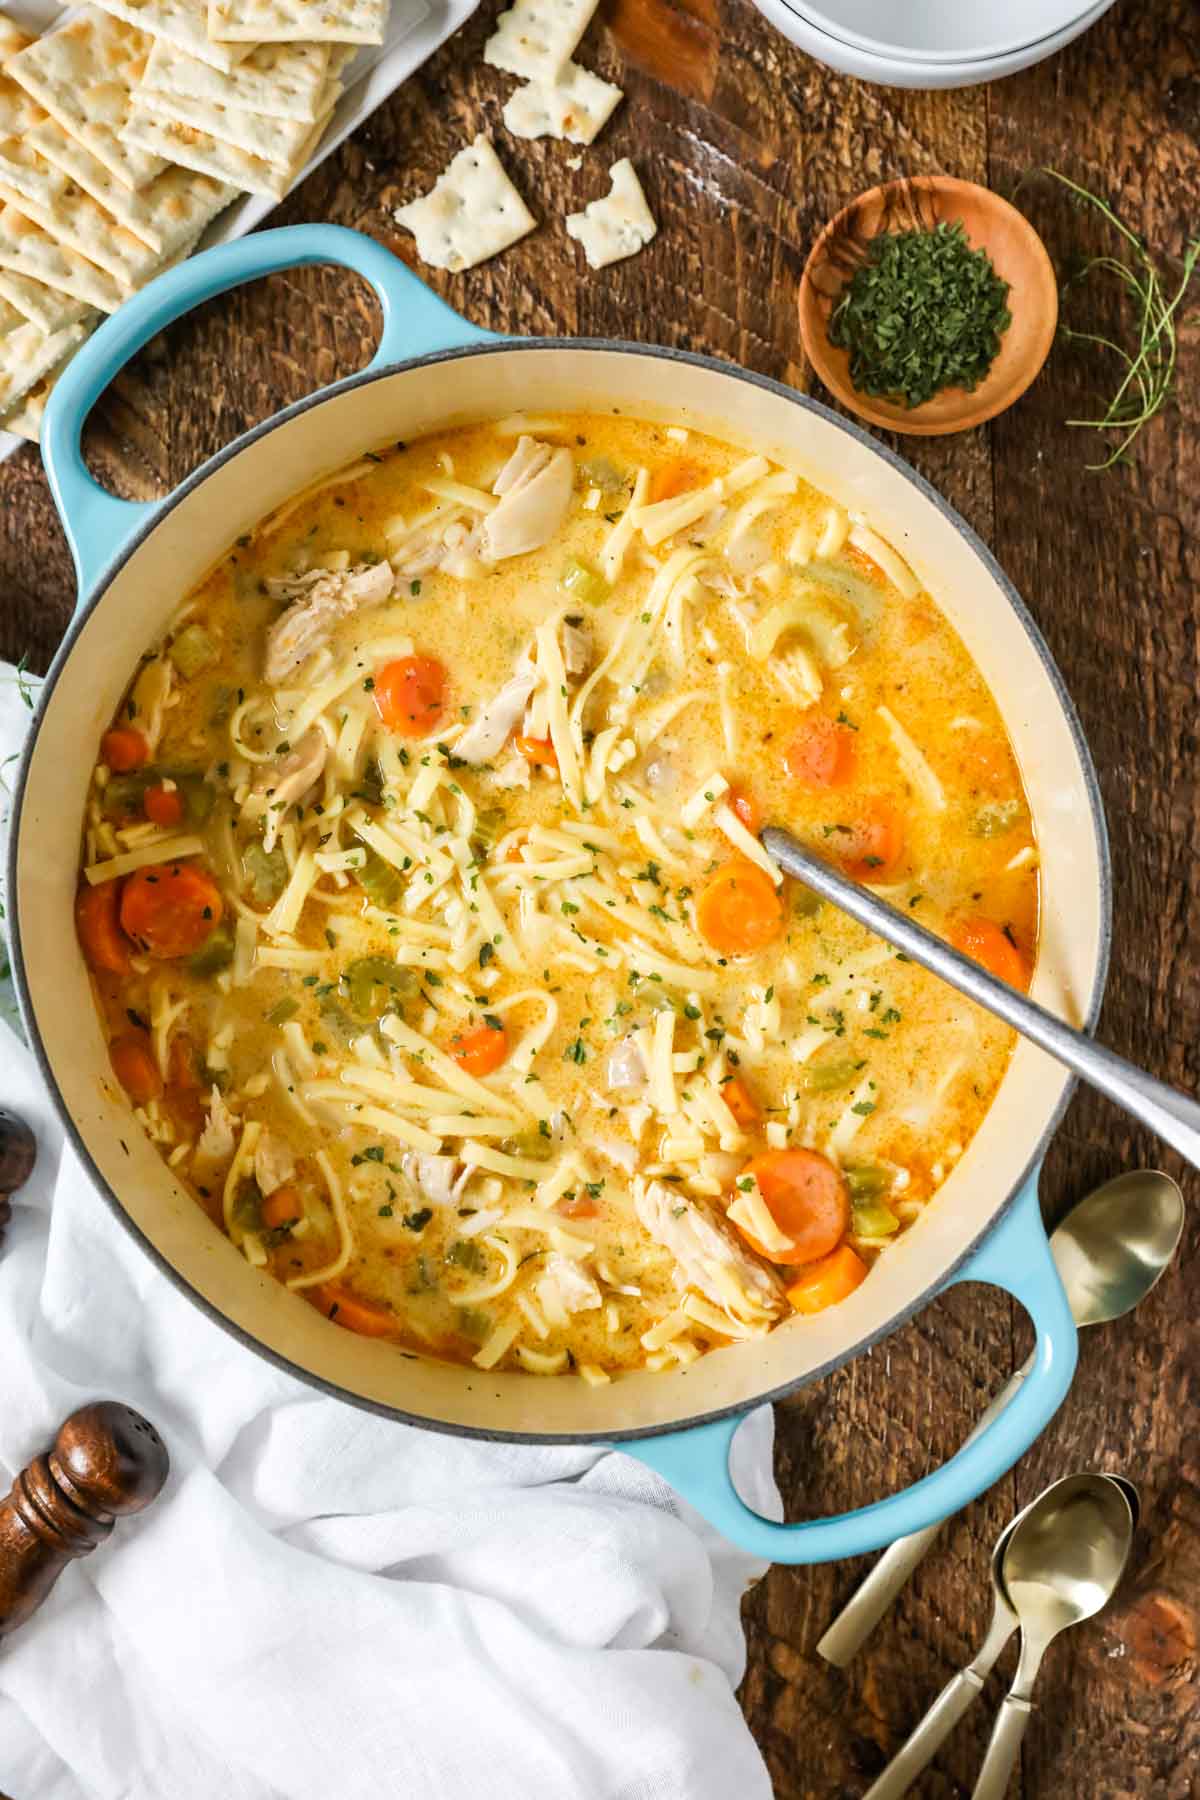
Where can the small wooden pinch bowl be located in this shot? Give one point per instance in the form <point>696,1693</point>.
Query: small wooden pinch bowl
<point>990,223</point>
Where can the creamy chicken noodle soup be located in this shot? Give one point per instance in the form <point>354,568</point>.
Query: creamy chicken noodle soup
<point>431,930</point>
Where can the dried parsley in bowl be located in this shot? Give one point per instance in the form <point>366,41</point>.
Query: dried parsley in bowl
<point>923,312</point>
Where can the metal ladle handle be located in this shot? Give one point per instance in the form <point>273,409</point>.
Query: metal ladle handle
<point>1173,1116</point>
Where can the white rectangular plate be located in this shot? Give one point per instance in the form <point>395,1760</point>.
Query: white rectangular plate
<point>415,30</point>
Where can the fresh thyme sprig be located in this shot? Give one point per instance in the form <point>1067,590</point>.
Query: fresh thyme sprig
<point>1148,379</point>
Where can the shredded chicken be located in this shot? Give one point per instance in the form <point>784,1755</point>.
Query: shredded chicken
<point>274,1164</point>
<point>422,551</point>
<point>433,1176</point>
<point>214,1150</point>
<point>707,1255</point>
<point>573,1286</point>
<point>148,700</point>
<point>625,1072</point>
<point>289,779</point>
<point>577,650</point>
<point>515,773</point>
<point>487,735</point>
<point>323,603</point>
<point>535,487</point>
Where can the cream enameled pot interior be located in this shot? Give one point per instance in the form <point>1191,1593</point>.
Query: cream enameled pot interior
<point>283,460</point>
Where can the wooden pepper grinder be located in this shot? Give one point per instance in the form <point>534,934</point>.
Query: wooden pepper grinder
<point>18,1153</point>
<point>107,1461</point>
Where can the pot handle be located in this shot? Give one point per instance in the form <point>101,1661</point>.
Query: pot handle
<point>99,526</point>
<point>1017,1257</point>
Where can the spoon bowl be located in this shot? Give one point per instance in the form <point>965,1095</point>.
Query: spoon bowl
<point>1056,1509</point>
<point>1065,1556</point>
<point>1111,1249</point>
<point>1063,1560</point>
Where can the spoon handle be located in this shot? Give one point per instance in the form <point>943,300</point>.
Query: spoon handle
<point>871,1599</point>
<point>1175,1117</point>
<point>1003,1749</point>
<point>920,1748</point>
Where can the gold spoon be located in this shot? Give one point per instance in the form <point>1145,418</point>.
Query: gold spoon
<point>1110,1250</point>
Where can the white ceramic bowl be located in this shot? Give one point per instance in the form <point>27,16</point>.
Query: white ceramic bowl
<point>896,71</point>
<point>944,31</point>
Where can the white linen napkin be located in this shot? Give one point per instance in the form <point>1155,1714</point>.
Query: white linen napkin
<point>322,1602</point>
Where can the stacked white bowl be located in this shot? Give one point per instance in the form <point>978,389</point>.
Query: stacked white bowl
<point>931,43</point>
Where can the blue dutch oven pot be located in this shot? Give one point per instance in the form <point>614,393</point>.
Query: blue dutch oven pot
<point>135,562</point>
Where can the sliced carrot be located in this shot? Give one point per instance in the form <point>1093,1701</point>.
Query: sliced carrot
<point>538,752</point>
<point>674,477</point>
<point>134,1066</point>
<point>98,922</point>
<point>986,943</point>
<point>163,805</point>
<point>807,1198</point>
<point>577,1206</point>
<point>871,846</point>
<point>170,909</point>
<point>740,910</point>
<point>747,809</point>
<point>826,1282</point>
<point>410,694</point>
<point>124,749</point>
<point>345,1308</point>
<point>481,1050</point>
<point>823,754</point>
<point>283,1207</point>
<point>741,1101</point>
<point>864,565</point>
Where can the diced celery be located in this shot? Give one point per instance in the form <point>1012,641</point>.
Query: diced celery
<point>873,1220</point>
<point>533,1146</point>
<point>247,1206</point>
<point>995,818</point>
<point>198,797</point>
<point>222,704</point>
<point>828,1077</point>
<point>124,794</point>
<point>584,582</point>
<point>867,1181</point>
<point>214,955</point>
<point>465,1253</point>
<point>282,1011</point>
<point>266,872</point>
<point>369,786</point>
<point>474,1323</point>
<point>489,827</point>
<point>804,902</point>
<point>600,472</point>
<point>373,985</point>
<point>192,651</point>
<point>379,880</point>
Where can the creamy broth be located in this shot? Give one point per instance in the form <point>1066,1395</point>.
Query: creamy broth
<point>427,918</point>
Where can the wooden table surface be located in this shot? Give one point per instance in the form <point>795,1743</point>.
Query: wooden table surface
<point>745,147</point>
